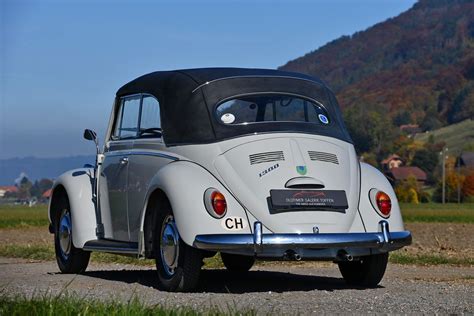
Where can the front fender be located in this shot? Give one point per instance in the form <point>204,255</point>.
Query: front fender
<point>370,178</point>
<point>78,186</point>
<point>184,184</point>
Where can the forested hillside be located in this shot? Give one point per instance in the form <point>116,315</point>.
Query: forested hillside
<point>416,68</point>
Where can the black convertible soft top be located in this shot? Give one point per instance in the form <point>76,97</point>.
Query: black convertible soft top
<point>188,99</point>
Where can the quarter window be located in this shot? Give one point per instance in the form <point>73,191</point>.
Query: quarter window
<point>138,116</point>
<point>150,124</point>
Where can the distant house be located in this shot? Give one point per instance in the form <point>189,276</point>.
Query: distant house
<point>410,129</point>
<point>392,161</point>
<point>7,189</point>
<point>396,175</point>
<point>47,194</point>
<point>466,160</point>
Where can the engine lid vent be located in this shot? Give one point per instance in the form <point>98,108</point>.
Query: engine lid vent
<point>266,157</point>
<point>322,156</point>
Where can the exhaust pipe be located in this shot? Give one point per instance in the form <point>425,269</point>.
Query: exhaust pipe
<point>344,256</point>
<point>292,255</point>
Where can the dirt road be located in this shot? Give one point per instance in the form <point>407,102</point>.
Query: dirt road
<point>307,288</point>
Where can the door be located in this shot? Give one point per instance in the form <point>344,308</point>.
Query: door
<point>114,171</point>
<point>146,159</point>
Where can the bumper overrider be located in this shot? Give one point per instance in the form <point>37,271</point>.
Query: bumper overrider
<point>332,246</point>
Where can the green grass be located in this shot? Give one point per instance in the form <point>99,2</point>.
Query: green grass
<point>426,259</point>
<point>438,213</point>
<point>457,137</point>
<point>18,216</point>
<point>23,216</point>
<point>71,305</point>
<point>46,253</point>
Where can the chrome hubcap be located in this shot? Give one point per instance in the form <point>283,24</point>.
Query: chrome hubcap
<point>169,246</point>
<point>65,237</point>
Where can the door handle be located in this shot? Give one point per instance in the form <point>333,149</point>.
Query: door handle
<point>124,160</point>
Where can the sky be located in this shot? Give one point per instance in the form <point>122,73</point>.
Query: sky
<point>61,62</point>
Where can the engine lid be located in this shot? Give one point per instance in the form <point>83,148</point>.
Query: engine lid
<point>300,164</point>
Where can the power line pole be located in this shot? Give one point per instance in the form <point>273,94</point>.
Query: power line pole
<point>443,161</point>
<point>458,161</point>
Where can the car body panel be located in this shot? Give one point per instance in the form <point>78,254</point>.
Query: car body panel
<point>78,186</point>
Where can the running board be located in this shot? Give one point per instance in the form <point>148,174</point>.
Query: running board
<point>105,245</point>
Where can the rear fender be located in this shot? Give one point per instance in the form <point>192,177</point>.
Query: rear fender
<point>372,178</point>
<point>184,184</point>
<point>77,184</point>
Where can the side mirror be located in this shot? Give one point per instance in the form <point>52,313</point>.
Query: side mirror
<point>90,135</point>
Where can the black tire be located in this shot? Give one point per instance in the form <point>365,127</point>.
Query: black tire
<point>76,260</point>
<point>237,263</point>
<point>185,276</point>
<point>367,272</point>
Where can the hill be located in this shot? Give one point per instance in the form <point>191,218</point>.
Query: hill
<point>458,137</point>
<point>38,168</point>
<point>417,67</point>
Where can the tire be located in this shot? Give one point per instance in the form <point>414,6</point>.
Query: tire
<point>69,258</point>
<point>367,272</point>
<point>237,263</point>
<point>178,265</point>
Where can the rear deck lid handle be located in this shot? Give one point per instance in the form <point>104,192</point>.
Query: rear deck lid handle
<point>304,183</point>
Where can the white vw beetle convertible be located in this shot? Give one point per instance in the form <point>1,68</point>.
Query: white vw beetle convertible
<point>246,162</point>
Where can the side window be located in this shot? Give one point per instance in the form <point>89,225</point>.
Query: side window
<point>127,119</point>
<point>150,124</point>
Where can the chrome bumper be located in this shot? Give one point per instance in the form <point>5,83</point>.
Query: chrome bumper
<point>329,246</point>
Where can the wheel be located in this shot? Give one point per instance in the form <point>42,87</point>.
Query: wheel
<point>178,265</point>
<point>237,263</point>
<point>69,258</point>
<point>367,272</point>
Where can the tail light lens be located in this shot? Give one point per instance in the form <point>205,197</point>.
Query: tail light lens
<point>384,204</point>
<point>215,203</point>
<point>218,203</point>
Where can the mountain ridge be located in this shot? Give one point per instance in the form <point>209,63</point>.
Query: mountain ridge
<point>420,62</point>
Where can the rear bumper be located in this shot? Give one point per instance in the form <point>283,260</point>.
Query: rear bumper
<point>311,246</point>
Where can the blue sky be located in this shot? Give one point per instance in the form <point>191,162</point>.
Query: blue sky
<point>62,61</point>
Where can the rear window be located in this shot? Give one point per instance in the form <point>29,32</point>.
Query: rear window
<point>271,108</point>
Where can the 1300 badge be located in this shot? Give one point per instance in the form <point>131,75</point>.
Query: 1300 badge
<point>264,172</point>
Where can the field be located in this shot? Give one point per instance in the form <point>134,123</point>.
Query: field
<point>439,233</point>
<point>458,137</point>
<point>442,240</point>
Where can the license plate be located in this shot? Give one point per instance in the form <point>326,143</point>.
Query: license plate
<point>309,199</point>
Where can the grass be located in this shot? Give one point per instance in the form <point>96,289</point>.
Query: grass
<point>46,253</point>
<point>70,305</point>
<point>23,216</point>
<point>457,137</point>
<point>17,216</point>
<point>438,213</point>
<point>427,259</point>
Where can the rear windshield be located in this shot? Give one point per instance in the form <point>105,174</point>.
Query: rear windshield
<point>262,108</point>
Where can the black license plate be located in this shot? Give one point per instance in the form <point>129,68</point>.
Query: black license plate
<point>309,199</point>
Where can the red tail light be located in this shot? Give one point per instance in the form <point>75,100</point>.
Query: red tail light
<point>384,204</point>
<point>215,203</point>
<point>219,203</point>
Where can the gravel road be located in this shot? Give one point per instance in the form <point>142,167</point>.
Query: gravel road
<point>272,288</point>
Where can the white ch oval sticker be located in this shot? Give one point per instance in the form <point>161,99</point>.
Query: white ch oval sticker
<point>233,223</point>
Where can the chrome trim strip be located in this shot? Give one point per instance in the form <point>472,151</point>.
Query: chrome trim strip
<point>255,76</point>
<point>142,153</point>
<point>261,243</point>
<point>147,153</point>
